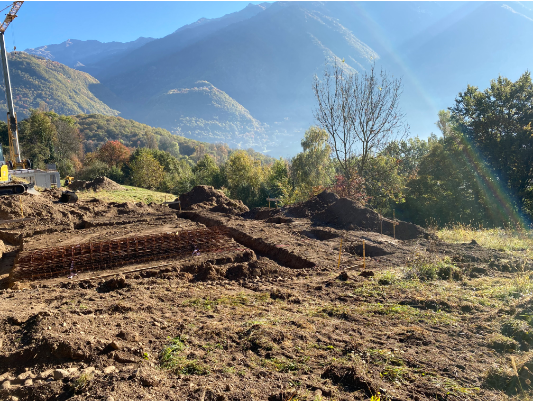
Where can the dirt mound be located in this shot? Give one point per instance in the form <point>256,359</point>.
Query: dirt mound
<point>207,197</point>
<point>98,184</point>
<point>262,213</point>
<point>328,209</point>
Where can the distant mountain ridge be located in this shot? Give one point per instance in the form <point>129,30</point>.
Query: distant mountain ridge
<point>264,58</point>
<point>76,53</point>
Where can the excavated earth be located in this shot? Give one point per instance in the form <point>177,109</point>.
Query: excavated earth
<point>287,313</point>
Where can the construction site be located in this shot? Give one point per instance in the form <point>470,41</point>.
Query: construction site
<point>203,299</point>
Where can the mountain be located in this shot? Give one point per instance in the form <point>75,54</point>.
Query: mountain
<point>181,38</point>
<point>77,53</point>
<point>38,82</point>
<point>263,59</point>
<point>206,113</point>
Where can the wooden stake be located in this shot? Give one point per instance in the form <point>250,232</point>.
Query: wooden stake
<point>394,222</point>
<point>340,251</point>
<point>364,259</point>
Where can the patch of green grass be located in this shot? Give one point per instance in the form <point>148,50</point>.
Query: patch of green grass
<point>281,365</point>
<point>81,383</point>
<point>131,194</point>
<point>408,313</point>
<point>388,278</point>
<point>172,359</point>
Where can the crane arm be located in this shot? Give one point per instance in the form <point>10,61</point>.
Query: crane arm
<point>11,15</point>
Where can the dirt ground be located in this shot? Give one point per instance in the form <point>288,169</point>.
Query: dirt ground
<point>288,313</point>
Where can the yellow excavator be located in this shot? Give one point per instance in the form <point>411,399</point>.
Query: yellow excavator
<point>16,166</point>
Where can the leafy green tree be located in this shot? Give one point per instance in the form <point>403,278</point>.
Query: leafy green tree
<point>312,167</point>
<point>146,171</point>
<point>408,153</point>
<point>244,177</point>
<point>38,138</point>
<point>91,170</point>
<point>384,185</point>
<point>205,171</point>
<point>497,124</point>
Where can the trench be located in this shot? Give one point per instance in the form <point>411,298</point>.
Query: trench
<point>281,256</point>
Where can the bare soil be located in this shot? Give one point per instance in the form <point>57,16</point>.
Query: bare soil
<point>288,314</point>
<point>98,184</point>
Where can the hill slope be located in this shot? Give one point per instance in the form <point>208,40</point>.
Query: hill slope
<point>37,82</point>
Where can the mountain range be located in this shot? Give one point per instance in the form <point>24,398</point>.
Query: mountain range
<point>246,78</point>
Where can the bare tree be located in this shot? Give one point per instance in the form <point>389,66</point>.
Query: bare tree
<point>361,114</point>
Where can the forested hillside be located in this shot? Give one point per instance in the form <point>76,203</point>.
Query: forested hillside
<point>38,82</point>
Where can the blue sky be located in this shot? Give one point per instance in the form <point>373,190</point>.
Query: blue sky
<point>51,22</point>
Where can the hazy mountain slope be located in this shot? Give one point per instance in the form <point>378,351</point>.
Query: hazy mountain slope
<point>205,113</point>
<point>78,53</point>
<point>37,81</point>
<point>265,62</point>
<point>181,38</point>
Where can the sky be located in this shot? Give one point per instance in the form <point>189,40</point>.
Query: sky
<point>51,22</point>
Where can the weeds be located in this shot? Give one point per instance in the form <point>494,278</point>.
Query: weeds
<point>81,383</point>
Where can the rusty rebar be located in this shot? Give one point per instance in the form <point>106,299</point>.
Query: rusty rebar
<point>57,261</point>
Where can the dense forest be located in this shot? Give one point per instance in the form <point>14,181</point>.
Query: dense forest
<point>478,171</point>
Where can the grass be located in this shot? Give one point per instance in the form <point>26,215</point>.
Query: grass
<point>171,358</point>
<point>518,242</point>
<point>132,194</point>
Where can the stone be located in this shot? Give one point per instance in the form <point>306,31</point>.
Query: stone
<point>89,370</point>
<point>109,369</point>
<point>115,345</point>
<point>26,375</point>
<point>343,276</point>
<point>6,385</point>
<point>28,382</point>
<point>46,374</point>
<point>60,374</point>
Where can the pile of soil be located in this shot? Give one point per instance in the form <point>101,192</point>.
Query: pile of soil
<point>98,184</point>
<point>49,212</point>
<point>207,197</point>
<point>345,214</point>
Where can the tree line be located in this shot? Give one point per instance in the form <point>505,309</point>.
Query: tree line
<point>478,171</point>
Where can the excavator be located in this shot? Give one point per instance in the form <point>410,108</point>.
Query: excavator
<point>16,166</point>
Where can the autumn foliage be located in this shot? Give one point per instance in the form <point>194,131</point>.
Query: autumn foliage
<point>114,153</point>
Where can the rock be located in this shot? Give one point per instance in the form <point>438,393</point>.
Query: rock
<point>367,273</point>
<point>89,371</point>
<point>6,385</point>
<point>4,376</point>
<point>109,369</point>
<point>60,374</point>
<point>115,345</point>
<point>343,276</point>
<point>125,335</point>
<point>110,398</point>
<point>46,374</point>
<point>26,375</point>
<point>72,371</point>
<point>28,382</point>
